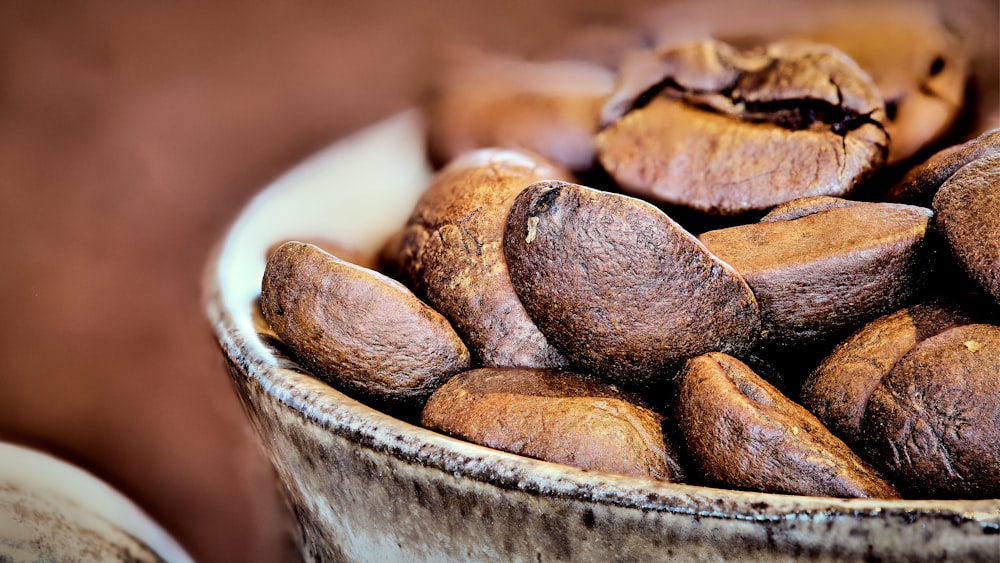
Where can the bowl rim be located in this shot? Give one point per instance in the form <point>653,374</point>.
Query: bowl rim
<point>39,474</point>
<point>399,139</point>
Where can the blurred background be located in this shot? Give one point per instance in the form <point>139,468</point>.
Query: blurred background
<point>131,133</point>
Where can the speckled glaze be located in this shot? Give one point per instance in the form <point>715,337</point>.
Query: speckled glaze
<point>53,511</point>
<point>366,486</point>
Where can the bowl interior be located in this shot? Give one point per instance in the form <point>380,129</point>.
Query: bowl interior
<point>359,191</point>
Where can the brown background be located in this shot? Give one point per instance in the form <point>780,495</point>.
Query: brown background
<point>131,133</point>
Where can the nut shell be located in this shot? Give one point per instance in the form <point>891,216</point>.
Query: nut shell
<point>932,424</point>
<point>830,270</point>
<point>837,391</point>
<point>357,329</point>
<point>727,131</point>
<point>921,182</point>
<point>556,416</point>
<point>742,433</point>
<point>618,286</point>
<point>967,212</point>
<point>913,50</point>
<point>450,253</point>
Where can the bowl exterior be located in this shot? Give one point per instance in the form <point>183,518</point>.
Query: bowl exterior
<point>365,487</point>
<point>52,510</point>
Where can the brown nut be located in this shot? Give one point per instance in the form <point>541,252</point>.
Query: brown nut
<point>837,391</point>
<point>725,131</point>
<point>823,272</point>
<point>357,329</point>
<point>619,287</point>
<point>742,433</point>
<point>932,425</point>
<point>550,108</point>
<point>450,252</point>
<point>967,212</point>
<point>917,53</point>
<point>556,416</point>
<point>921,182</point>
<point>920,66</point>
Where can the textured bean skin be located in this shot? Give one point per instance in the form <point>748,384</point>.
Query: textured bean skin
<point>356,328</point>
<point>743,433</point>
<point>619,287</point>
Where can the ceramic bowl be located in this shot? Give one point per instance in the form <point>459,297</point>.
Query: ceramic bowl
<point>51,510</point>
<point>366,486</point>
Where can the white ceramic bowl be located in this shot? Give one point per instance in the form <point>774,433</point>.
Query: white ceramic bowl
<point>51,510</point>
<point>366,486</point>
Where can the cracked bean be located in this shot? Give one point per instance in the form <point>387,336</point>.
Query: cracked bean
<point>726,131</point>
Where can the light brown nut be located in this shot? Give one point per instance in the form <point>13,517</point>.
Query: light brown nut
<point>357,329</point>
<point>550,108</point>
<point>828,271</point>
<point>921,182</point>
<point>726,131</point>
<point>967,213</point>
<point>933,422</point>
<point>450,253</point>
<point>742,433</point>
<point>556,416</point>
<point>837,391</point>
<point>618,286</point>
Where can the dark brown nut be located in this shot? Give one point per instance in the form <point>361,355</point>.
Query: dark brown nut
<point>917,54</point>
<point>357,329</point>
<point>932,425</point>
<point>837,391</point>
<point>967,212</point>
<point>619,287</point>
<point>723,130</point>
<point>556,416</point>
<point>828,271</point>
<point>450,253</point>
<point>742,433</point>
<point>550,108</point>
<point>920,184</point>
